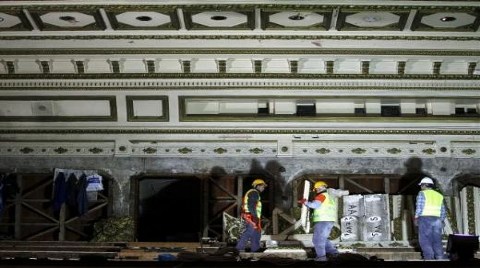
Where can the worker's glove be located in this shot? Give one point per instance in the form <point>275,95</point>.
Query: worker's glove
<point>302,201</point>
<point>257,225</point>
<point>247,216</point>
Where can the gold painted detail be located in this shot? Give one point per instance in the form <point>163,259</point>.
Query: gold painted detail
<point>60,150</point>
<point>26,150</point>
<point>394,151</point>
<point>256,150</point>
<point>109,51</point>
<point>429,151</point>
<point>323,151</point>
<point>359,151</point>
<point>184,150</point>
<point>220,150</point>
<point>95,150</point>
<point>469,151</point>
<point>257,75</point>
<point>237,131</point>
<point>150,150</point>
<point>241,37</point>
<point>470,210</point>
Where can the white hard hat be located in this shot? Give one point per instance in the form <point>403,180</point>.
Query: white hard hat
<point>426,180</point>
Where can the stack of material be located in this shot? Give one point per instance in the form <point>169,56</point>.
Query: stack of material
<point>365,218</point>
<point>377,218</point>
<point>352,213</point>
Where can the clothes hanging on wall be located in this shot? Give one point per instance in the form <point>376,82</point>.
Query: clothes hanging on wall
<point>71,186</point>
<point>94,183</point>
<point>82,200</point>
<point>59,192</point>
<point>8,189</point>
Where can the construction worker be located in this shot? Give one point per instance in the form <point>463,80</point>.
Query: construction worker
<point>324,216</point>
<point>430,214</point>
<point>251,214</point>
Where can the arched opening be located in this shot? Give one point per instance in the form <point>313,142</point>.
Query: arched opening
<point>169,209</point>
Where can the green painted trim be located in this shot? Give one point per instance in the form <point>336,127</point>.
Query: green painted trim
<point>183,117</point>
<point>237,131</point>
<point>202,141</point>
<point>327,118</point>
<point>193,51</point>
<point>130,112</point>
<point>110,99</point>
<point>78,36</point>
<point>236,88</point>
<point>272,97</point>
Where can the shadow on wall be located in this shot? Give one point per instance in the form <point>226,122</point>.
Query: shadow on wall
<point>272,172</point>
<point>408,184</point>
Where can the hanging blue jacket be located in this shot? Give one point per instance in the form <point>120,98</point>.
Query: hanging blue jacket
<point>59,192</point>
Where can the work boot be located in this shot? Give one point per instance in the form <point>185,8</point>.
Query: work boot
<point>321,259</point>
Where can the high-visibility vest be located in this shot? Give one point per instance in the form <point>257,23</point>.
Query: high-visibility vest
<point>327,211</point>
<point>433,203</point>
<point>258,206</point>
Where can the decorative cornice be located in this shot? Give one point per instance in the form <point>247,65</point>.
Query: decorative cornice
<point>311,80</point>
<point>306,51</point>
<point>237,131</point>
<point>246,36</point>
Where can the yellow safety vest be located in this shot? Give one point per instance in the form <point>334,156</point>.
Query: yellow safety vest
<point>258,206</point>
<point>327,211</point>
<point>433,203</point>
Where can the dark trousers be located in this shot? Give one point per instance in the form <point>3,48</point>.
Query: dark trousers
<point>251,234</point>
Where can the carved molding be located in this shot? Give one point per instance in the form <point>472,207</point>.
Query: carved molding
<point>203,84</point>
<point>253,148</point>
<point>197,131</point>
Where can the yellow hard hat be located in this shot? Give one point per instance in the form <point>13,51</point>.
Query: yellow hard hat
<point>258,182</point>
<point>319,184</point>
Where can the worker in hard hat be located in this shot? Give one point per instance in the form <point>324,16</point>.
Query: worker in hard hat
<point>430,214</point>
<point>324,216</point>
<point>251,214</point>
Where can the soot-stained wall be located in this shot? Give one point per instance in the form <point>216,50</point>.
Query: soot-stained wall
<point>281,170</point>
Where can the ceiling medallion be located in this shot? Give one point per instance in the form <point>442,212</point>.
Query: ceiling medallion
<point>296,17</point>
<point>371,19</point>
<point>143,18</point>
<point>68,19</point>
<point>448,19</point>
<point>217,17</point>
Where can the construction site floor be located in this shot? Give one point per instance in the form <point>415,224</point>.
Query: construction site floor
<point>22,254</point>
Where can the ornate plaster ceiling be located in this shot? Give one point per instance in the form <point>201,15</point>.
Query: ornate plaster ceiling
<point>136,60</point>
<point>180,16</point>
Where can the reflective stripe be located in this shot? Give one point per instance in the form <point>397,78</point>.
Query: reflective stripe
<point>258,206</point>
<point>327,211</point>
<point>433,203</point>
